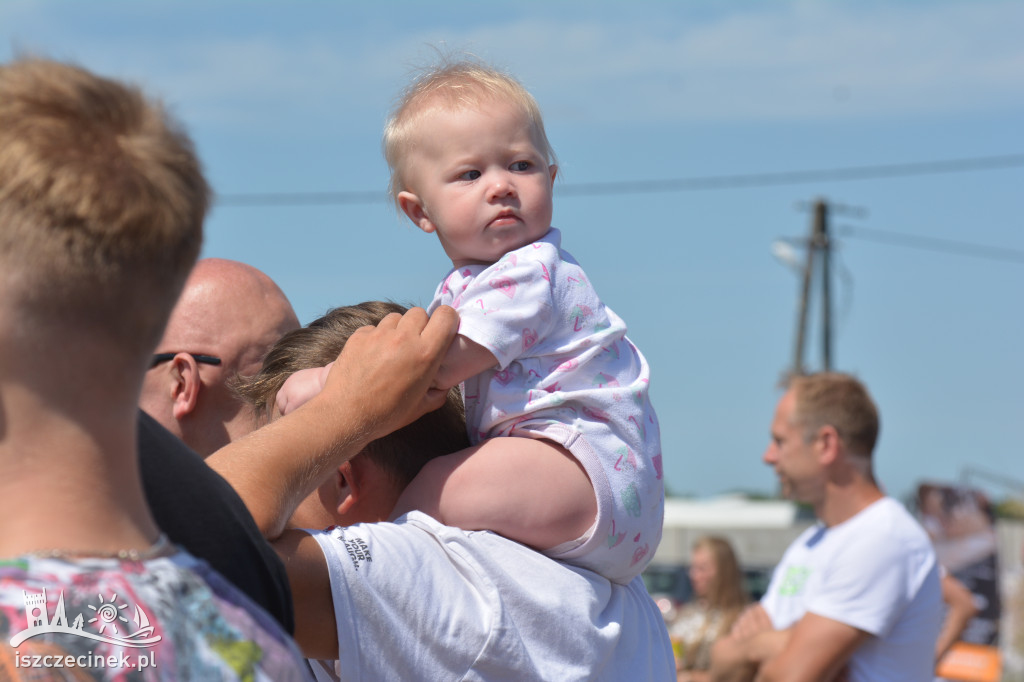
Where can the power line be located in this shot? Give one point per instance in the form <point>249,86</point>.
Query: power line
<point>799,177</point>
<point>750,180</point>
<point>935,244</point>
<point>301,198</point>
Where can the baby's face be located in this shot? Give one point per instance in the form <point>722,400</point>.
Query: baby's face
<point>479,179</point>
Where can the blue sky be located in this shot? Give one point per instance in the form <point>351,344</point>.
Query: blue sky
<point>291,97</point>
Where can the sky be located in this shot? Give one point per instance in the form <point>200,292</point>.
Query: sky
<point>735,102</point>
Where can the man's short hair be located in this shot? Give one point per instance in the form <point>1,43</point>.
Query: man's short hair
<point>837,400</point>
<point>401,454</point>
<point>102,201</point>
<point>451,85</point>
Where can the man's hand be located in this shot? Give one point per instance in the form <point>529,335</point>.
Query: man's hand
<point>384,377</point>
<point>752,621</point>
<point>380,382</point>
<point>752,640</point>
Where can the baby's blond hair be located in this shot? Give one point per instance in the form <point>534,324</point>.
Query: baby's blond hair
<point>451,86</point>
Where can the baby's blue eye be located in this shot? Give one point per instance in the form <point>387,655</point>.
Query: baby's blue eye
<point>520,166</point>
<point>470,175</point>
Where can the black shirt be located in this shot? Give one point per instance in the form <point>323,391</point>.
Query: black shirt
<point>200,511</point>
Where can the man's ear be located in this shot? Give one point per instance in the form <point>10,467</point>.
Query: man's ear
<point>185,389</point>
<point>828,444</point>
<point>412,206</point>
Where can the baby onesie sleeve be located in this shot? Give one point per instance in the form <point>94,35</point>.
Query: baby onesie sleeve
<point>508,307</point>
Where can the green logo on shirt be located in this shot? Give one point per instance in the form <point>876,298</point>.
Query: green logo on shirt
<point>794,581</point>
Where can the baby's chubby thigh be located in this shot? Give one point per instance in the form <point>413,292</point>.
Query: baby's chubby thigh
<point>529,490</point>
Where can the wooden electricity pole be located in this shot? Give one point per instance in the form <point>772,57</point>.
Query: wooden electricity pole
<point>818,248</point>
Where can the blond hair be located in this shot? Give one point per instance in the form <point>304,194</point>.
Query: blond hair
<point>726,591</point>
<point>102,201</point>
<point>451,86</point>
<point>840,401</point>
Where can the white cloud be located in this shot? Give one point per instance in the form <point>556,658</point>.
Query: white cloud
<point>792,61</point>
<point>641,63</point>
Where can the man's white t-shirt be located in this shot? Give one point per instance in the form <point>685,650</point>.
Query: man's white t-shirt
<point>417,600</point>
<point>876,572</point>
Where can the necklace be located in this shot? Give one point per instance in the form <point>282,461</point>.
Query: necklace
<point>161,547</point>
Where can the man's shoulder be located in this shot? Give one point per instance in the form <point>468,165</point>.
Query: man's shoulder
<point>168,604</point>
<point>500,602</point>
<point>808,540</point>
<point>876,538</point>
<point>886,523</point>
<point>882,533</point>
<point>483,563</point>
<point>199,510</point>
<point>415,528</point>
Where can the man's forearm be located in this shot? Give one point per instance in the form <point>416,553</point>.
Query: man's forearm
<point>729,665</point>
<point>817,649</point>
<point>274,468</point>
<point>381,381</point>
<point>728,662</point>
<point>738,659</point>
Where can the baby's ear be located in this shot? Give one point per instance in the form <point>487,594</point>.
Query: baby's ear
<point>553,169</point>
<point>412,206</point>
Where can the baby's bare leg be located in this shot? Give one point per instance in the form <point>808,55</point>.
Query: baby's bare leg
<point>531,491</point>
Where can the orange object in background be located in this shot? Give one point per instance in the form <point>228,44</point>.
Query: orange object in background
<point>971,663</point>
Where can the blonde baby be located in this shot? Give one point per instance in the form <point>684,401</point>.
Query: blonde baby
<point>567,451</point>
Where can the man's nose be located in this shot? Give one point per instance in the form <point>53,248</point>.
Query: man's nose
<point>771,455</point>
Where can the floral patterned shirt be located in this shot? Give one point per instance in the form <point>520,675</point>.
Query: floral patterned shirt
<point>168,618</point>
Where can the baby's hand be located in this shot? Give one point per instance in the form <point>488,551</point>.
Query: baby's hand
<point>300,388</point>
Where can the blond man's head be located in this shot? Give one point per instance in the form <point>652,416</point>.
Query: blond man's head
<point>840,401</point>
<point>102,201</point>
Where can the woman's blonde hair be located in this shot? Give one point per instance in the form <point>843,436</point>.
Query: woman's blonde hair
<point>726,592</point>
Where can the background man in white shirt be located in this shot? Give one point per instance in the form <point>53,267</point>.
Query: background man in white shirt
<point>861,589</point>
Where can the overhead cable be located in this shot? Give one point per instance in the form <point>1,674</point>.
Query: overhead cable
<point>934,244</point>
<point>747,180</point>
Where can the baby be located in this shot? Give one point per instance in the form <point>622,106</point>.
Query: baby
<point>567,452</point>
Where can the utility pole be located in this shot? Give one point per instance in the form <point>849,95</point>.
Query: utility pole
<point>821,234</point>
<point>818,248</point>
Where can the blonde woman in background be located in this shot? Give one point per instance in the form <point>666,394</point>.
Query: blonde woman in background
<point>719,597</point>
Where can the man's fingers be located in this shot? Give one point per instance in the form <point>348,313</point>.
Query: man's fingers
<point>441,328</point>
<point>414,319</point>
<point>752,621</point>
<point>390,321</point>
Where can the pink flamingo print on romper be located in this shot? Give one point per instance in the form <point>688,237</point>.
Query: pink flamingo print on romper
<point>505,285</point>
<point>615,538</point>
<point>529,338</point>
<point>581,312</point>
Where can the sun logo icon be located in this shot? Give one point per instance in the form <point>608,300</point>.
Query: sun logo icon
<point>107,613</point>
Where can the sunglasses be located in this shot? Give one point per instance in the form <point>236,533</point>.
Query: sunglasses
<point>164,357</point>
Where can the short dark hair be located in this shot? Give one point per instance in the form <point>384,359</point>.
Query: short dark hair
<point>840,401</point>
<point>401,454</point>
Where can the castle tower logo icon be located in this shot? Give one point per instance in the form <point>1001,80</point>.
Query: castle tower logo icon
<point>108,618</point>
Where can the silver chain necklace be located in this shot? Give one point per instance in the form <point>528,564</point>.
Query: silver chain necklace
<point>159,548</point>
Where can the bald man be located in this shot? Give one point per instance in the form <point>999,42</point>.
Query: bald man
<point>226,319</point>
